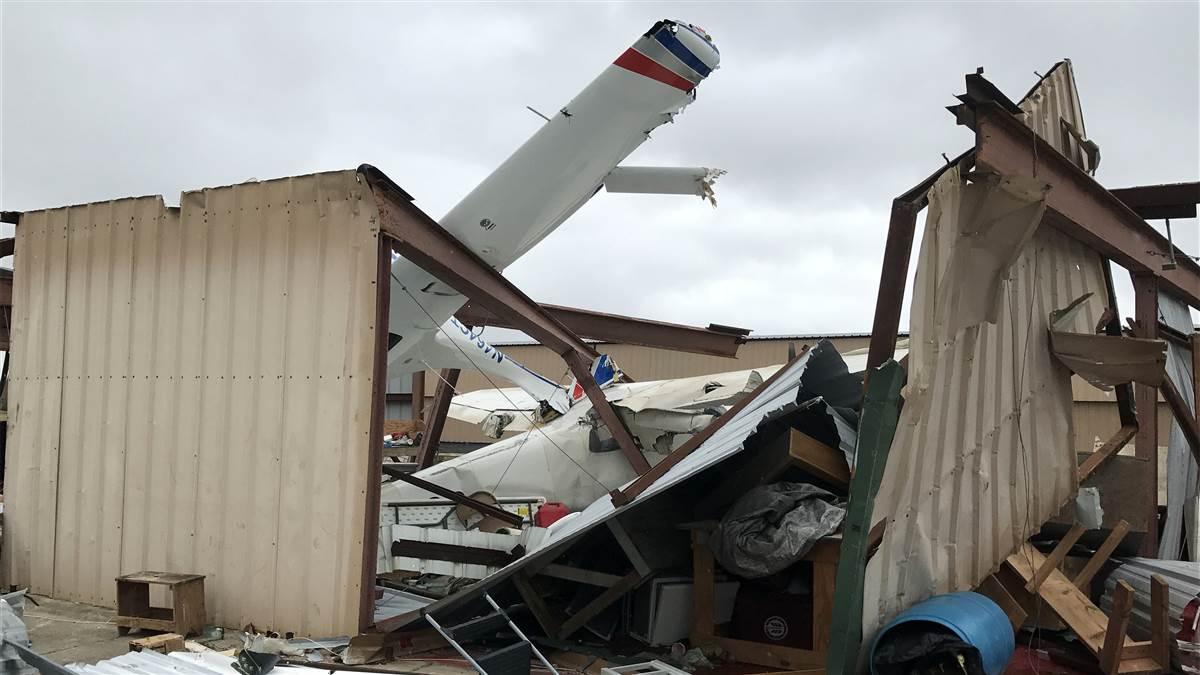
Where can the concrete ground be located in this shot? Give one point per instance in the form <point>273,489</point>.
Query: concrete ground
<point>71,632</point>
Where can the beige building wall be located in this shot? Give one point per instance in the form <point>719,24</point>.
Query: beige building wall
<point>191,391</point>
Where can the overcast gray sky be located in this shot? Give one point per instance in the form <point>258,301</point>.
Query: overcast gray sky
<point>821,113</point>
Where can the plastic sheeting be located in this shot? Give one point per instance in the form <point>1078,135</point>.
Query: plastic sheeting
<point>772,526</point>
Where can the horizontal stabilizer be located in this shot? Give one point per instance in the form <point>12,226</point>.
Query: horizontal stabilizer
<point>664,180</point>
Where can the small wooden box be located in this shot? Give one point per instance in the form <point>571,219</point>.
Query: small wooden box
<point>185,616</point>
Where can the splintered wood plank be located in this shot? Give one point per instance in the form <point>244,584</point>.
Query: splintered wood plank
<point>1056,557</point>
<point>1101,556</point>
<point>1118,623</point>
<point>1072,605</point>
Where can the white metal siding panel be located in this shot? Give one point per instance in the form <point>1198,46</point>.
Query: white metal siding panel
<point>35,394</point>
<point>216,399</point>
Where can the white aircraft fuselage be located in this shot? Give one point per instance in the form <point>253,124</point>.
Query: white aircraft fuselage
<point>552,174</point>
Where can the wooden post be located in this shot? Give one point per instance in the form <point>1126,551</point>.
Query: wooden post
<point>431,437</point>
<point>1118,624</point>
<point>703,590</point>
<point>1160,629</point>
<point>880,415</point>
<point>824,580</point>
<point>1145,289</point>
<point>418,398</point>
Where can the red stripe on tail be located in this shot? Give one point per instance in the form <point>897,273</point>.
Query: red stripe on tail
<point>637,62</point>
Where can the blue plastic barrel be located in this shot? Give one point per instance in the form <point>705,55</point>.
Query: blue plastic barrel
<point>974,618</point>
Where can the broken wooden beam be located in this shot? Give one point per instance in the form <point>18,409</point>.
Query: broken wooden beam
<point>1160,628</point>
<point>579,575</point>
<point>599,604</point>
<point>1183,415</point>
<point>547,618</point>
<point>1114,445</point>
<point>997,593</point>
<point>818,459</point>
<point>1084,578</point>
<point>1055,558</point>
<point>435,422</point>
<point>1114,634</point>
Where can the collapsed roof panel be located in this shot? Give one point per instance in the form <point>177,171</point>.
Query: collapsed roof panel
<point>818,372</point>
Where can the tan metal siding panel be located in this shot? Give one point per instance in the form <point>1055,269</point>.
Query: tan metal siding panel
<point>963,485</point>
<point>218,365</point>
<point>1054,99</point>
<point>35,395</point>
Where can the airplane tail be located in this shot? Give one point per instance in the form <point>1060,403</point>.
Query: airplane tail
<point>604,370</point>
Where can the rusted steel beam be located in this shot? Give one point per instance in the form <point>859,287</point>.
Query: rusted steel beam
<point>431,437</point>
<point>421,240</point>
<point>456,497</point>
<point>1170,200</point>
<point>7,246</point>
<point>581,366</point>
<point>714,340</point>
<point>892,279</point>
<point>383,271</point>
<point>1145,297</point>
<point>1078,205</point>
<point>1183,415</point>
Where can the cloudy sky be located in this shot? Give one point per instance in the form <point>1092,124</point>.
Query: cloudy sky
<point>821,113</point>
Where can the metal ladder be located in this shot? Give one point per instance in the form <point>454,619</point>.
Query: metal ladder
<point>510,660</point>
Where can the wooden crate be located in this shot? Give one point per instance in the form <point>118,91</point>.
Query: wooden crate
<point>186,615</point>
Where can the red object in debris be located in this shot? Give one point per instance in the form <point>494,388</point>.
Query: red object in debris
<point>550,512</point>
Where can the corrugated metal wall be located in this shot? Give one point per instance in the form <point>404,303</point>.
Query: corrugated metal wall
<point>982,455</point>
<point>191,392</point>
